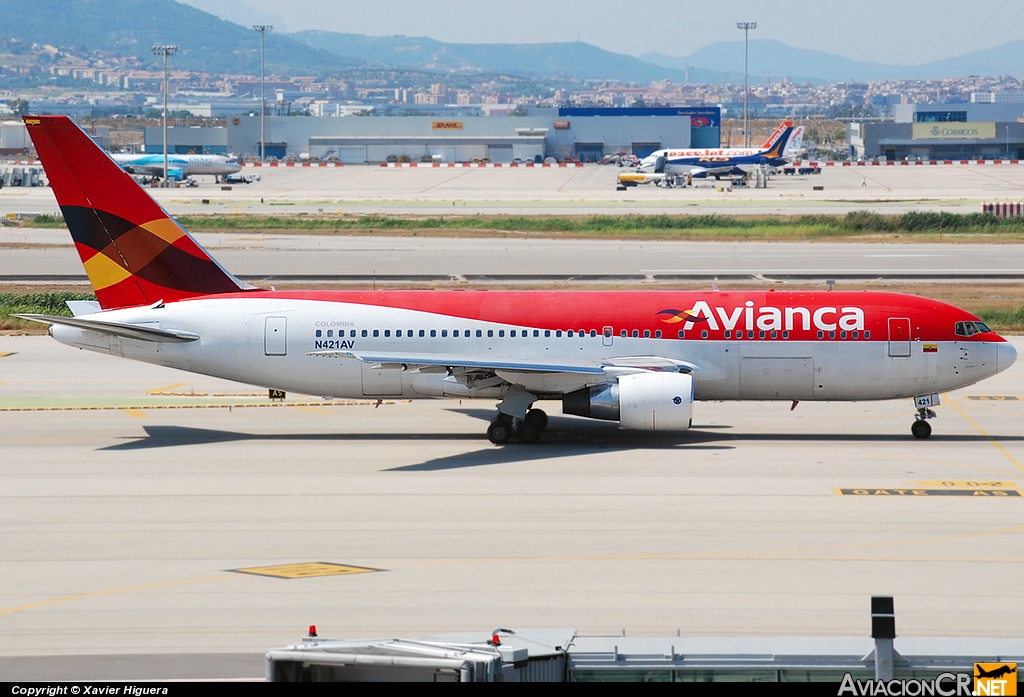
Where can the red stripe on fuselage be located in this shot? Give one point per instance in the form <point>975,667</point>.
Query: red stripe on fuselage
<point>931,320</point>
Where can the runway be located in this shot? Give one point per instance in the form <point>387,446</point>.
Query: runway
<point>576,191</point>
<point>49,255</point>
<point>126,522</point>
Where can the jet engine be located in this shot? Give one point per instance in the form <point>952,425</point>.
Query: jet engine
<point>639,401</point>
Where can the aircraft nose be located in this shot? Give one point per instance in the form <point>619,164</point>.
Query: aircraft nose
<point>1006,354</point>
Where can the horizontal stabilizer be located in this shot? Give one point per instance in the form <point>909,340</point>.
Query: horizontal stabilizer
<point>128,331</point>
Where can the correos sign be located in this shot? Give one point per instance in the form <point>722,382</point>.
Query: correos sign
<point>954,131</point>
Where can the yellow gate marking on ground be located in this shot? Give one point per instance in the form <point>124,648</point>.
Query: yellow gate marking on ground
<point>136,413</point>
<point>975,484</point>
<point>926,493</point>
<point>115,591</point>
<point>992,440</point>
<point>308,570</point>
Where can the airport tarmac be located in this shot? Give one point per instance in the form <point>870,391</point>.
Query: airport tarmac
<point>364,189</point>
<point>49,256</point>
<point>126,524</point>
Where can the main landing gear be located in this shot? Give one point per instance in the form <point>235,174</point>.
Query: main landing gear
<point>525,430</point>
<point>921,428</point>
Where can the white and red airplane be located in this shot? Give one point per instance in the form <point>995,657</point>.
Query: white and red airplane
<point>639,357</point>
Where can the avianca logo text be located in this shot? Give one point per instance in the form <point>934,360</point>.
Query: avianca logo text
<point>769,318</point>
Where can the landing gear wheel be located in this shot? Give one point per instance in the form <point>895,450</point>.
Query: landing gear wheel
<point>499,432</point>
<point>921,429</point>
<point>528,433</point>
<point>538,418</point>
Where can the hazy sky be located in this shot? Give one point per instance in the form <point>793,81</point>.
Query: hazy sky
<point>886,31</point>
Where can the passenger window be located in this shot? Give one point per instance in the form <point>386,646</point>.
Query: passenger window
<point>364,334</point>
<point>657,334</point>
<point>856,335</point>
<point>352,333</point>
<point>558,334</point>
<point>831,335</point>
<point>387,333</point>
<point>433,333</point>
<point>636,334</point>
<point>704,334</point>
<point>456,333</point>
<point>479,333</point>
<point>761,334</point>
<point>536,333</point>
<point>423,333</point>
<point>867,335</point>
<point>570,334</point>
<point>728,334</point>
<point>775,334</point>
<point>750,335</point>
<point>785,335</point>
<point>547,333</point>
<point>330,333</point>
<point>512,334</point>
<point>444,333</point>
<point>501,332</point>
<point>593,333</point>
<point>682,334</point>
<point>319,333</point>
<point>376,333</point>
<point>821,334</point>
<point>410,334</point>
<point>624,334</point>
<point>842,335</point>
<point>490,333</point>
<point>647,333</point>
<point>398,333</point>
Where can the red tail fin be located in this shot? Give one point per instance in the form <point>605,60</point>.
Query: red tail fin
<point>132,250</point>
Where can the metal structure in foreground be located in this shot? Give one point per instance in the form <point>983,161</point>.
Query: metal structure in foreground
<point>165,51</point>
<point>746,27</point>
<point>564,655</point>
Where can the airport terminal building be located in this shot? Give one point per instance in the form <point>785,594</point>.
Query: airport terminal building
<point>586,134</point>
<point>969,131</point>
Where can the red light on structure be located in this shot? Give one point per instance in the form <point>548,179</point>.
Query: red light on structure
<point>495,640</point>
<point>312,630</point>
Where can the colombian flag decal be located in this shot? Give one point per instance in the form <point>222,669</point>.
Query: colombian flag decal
<point>677,316</point>
<point>931,348</point>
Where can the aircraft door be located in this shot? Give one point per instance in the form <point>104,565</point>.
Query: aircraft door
<point>899,337</point>
<point>607,336</point>
<point>275,336</point>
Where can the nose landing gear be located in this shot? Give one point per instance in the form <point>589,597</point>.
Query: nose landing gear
<point>921,428</point>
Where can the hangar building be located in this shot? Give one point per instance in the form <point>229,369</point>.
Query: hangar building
<point>587,134</point>
<point>970,131</point>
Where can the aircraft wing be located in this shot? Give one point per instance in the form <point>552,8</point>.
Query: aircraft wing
<point>127,331</point>
<point>579,367</point>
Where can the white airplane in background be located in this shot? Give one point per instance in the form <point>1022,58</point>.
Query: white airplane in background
<point>783,146</point>
<point>640,358</point>
<point>178,166</point>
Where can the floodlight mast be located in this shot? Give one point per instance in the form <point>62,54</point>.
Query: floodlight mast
<point>165,51</point>
<point>263,29</point>
<point>746,27</point>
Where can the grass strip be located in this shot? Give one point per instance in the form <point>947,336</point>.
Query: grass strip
<point>855,223</point>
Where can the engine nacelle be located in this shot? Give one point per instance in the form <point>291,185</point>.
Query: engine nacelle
<point>639,402</point>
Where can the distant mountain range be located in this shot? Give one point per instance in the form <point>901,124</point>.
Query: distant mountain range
<point>131,27</point>
<point>801,64</point>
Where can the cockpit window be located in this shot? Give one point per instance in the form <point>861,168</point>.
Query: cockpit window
<point>971,328</point>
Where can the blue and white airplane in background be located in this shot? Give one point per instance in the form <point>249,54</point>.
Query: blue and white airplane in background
<point>179,166</point>
<point>781,148</point>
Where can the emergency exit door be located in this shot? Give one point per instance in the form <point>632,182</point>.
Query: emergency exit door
<point>899,337</point>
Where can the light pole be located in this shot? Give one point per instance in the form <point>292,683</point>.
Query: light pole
<point>165,51</point>
<point>746,27</point>
<point>263,29</point>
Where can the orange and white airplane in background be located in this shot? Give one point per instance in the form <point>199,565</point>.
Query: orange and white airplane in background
<point>637,357</point>
<point>781,148</point>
